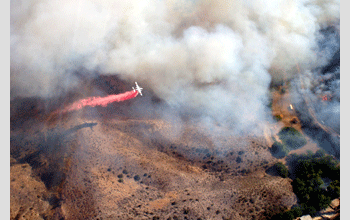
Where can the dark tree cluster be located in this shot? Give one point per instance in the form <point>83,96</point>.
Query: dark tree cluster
<point>281,169</point>
<point>316,182</point>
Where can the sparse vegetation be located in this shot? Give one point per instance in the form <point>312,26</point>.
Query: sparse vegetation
<point>120,176</point>
<point>279,150</point>
<point>125,171</point>
<point>292,138</point>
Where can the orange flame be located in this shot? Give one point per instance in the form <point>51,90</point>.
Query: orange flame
<point>325,98</point>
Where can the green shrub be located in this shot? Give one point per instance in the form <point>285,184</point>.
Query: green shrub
<point>278,117</point>
<point>281,169</point>
<point>292,138</point>
<point>279,150</point>
<point>137,178</point>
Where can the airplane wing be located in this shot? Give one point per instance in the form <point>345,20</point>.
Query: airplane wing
<point>138,88</point>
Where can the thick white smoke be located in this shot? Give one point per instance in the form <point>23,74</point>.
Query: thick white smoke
<point>217,57</point>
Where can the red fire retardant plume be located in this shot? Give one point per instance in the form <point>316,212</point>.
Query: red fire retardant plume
<point>100,101</point>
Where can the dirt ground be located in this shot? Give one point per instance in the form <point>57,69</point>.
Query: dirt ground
<point>135,169</point>
<point>282,107</point>
<point>95,164</point>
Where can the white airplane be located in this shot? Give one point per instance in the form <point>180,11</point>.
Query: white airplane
<point>138,88</point>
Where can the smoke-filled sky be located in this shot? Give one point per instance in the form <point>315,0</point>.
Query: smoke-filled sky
<point>218,57</point>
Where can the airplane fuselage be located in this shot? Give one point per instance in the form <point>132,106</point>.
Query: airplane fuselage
<point>138,88</point>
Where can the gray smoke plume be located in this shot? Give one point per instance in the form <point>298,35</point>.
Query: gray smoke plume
<point>216,58</point>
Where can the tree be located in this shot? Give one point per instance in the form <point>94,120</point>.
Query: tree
<point>279,150</point>
<point>292,138</point>
<point>309,173</point>
<point>323,201</point>
<point>281,169</point>
<point>334,189</point>
<point>297,211</point>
